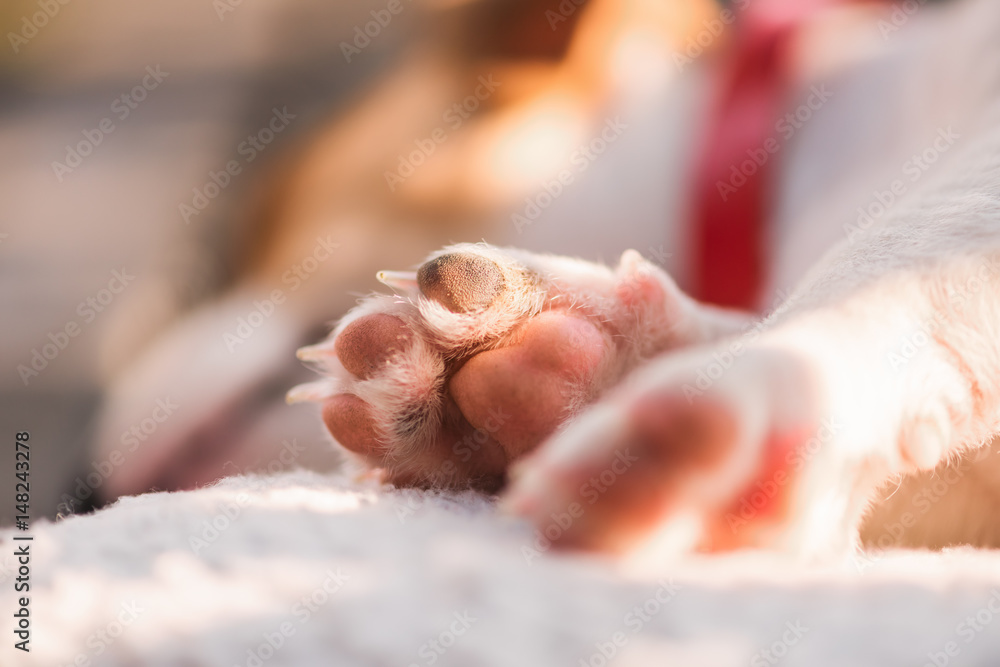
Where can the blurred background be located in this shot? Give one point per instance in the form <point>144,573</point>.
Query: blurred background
<point>64,68</point>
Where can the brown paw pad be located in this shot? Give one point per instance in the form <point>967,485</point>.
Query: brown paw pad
<point>461,282</point>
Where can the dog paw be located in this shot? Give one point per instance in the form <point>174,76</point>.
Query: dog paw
<point>483,353</point>
<point>694,451</point>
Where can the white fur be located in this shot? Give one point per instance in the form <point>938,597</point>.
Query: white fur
<point>415,558</point>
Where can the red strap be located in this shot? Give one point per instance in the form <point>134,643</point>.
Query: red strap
<point>735,177</point>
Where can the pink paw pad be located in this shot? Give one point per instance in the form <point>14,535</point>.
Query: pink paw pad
<point>537,381</point>
<point>366,344</point>
<point>482,350</point>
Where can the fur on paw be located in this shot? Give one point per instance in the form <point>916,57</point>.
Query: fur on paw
<point>483,353</point>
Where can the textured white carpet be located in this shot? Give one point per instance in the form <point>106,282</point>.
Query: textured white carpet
<point>313,570</point>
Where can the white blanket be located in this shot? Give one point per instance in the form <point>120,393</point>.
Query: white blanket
<point>304,569</point>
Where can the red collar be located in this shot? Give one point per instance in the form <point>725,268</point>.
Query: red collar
<point>736,174</point>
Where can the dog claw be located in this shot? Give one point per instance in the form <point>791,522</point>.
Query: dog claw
<point>401,280</point>
<point>310,391</point>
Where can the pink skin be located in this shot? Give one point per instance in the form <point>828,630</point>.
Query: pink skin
<point>527,379</point>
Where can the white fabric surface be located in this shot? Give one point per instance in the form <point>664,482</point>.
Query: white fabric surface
<point>411,564</point>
